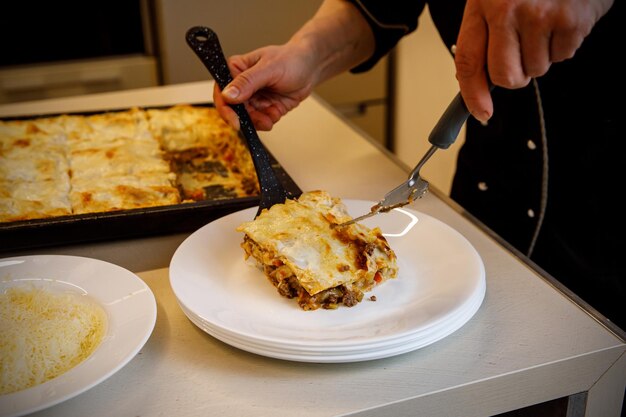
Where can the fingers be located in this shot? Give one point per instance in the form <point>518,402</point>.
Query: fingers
<point>270,82</point>
<point>249,76</point>
<point>535,52</point>
<point>563,46</point>
<point>470,62</point>
<point>566,39</point>
<point>223,109</point>
<point>252,85</point>
<point>247,79</point>
<point>504,57</point>
<point>514,42</point>
<point>264,120</point>
<point>534,27</point>
<point>264,112</point>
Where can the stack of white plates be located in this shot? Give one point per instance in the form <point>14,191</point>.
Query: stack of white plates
<point>441,285</point>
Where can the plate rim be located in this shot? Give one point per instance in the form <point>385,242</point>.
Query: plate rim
<point>472,303</point>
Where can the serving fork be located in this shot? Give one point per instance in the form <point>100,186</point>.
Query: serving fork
<point>442,136</point>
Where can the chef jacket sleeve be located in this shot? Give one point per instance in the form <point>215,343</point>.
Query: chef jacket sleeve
<point>390,20</point>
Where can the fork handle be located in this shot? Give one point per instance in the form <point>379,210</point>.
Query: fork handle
<point>449,125</point>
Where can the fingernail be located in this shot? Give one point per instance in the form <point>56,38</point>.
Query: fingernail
<point>482,117</point>
<point>231,92</point>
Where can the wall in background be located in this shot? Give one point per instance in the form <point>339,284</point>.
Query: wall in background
<point>77,77</point>
<point>244,25</point>
<point>48,53</point>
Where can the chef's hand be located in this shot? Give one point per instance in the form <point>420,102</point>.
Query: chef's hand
<point>515,41</point>
<point>271,81</point>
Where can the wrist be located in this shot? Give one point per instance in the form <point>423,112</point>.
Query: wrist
<point>335,40</point>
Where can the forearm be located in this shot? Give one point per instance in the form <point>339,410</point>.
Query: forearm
<point>336,39</point>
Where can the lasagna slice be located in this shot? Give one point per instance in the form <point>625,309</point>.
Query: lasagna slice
<point>210,158</point>
<point>182,127</point>
<point>34,179</point>
<point>305,258</point>
<point>102,128</point>
<point>117,164</point>
<point>121,192</point>
<point>33,200</point>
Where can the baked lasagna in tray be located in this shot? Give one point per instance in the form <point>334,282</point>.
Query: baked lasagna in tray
<point>306,258</point>
<point>72,170</point>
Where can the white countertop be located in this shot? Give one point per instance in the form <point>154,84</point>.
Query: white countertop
<point>527,344</point>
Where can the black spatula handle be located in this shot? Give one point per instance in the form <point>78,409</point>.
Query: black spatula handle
<point>205,43</point>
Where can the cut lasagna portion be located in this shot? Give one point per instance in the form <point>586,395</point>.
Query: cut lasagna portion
<point>107,129</point>
<point>305,258</point>
<point>30,200</point>
<point>34,178</point>
<point>210,157</point>
<point>116,163</point>
<point>182,127</point>
<point>122,192</point>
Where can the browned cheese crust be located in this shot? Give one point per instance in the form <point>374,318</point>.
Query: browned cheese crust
<point>73,164</point>
<point>305,258</point>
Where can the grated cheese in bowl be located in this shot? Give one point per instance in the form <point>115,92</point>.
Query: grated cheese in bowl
<point>44,334</point>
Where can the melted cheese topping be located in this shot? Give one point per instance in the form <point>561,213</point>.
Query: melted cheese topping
<point>298,233</point>
<point>184,127</point>
<point>73,164</point>
<point>122,192</point>
<point>44,334</point>
<point>124,159</point>
<point>26,200</point>
<point>17,162</point>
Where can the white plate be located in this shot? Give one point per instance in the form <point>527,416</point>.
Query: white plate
<point>131,313</point>
<point>441,285</point>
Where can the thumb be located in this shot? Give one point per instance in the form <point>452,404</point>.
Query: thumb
<point>246,83</point>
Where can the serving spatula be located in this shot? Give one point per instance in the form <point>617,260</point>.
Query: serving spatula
<point>205,43</point>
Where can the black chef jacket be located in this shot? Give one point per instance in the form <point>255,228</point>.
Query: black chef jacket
<point>502,177</point>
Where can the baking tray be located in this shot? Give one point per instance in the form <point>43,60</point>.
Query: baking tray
<point>125,224</point>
